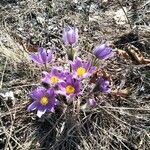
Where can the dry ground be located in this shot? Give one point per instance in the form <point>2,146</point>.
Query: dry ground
<point>119,122</point>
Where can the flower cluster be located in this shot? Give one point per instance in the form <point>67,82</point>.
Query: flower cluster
<point>68,83</point>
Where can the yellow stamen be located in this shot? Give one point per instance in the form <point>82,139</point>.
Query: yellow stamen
<point>81,71</point>
<point>70,89</point>
<point>54,80</point>
<point>44,100</point>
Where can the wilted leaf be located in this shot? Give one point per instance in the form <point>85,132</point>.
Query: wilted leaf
<point>123,54</point>
<point>147,61</point>
<point>27,46</point>
<point>137,55</point>
<point>31,48</point>
<point>100,73</point>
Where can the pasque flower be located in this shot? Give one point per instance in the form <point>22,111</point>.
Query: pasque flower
<point>54,77</point>
<point>70,35</point>
<point>69,88</point>
<point>43,100</point>
<point>103,51</point>
<point>104,85</point>
<point>42,56</point>
<point>82,69</point>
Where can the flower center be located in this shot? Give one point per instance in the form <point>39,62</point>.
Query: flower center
<point>81,71</point>
<point>70,89</point>
<point>44,100</point>
<point>54,79</point>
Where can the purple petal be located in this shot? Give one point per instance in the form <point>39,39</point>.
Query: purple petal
<point>87,65</point>
<point>71,36</point>
<point>65,36</point>
<point>35,58</point>
<point>56,102</point>
<point>37,94</point>
<point>54,72</point>
<point>52,109</point>
<point>46,79</point>
<point>44,73</point>
<point>88,74</point>
<point>77,63</point>
<point>99,48</point>
<point>61,92</point>
<point>75,76</point>
<point>62,84</point>
<point>108,55</point>
<point>51,93</point>
<point>77,86</point>
<point>104,85</point>
<point>49,57</point>
<point>61,75</point>
<point>43,56</point>
<point>41,49</point>
<point>69,79</point>
<point>32,106</point>
<point>52,50</point>
<point>92,69</point>
<point>40,113</point>
<point>103,51</point>
<point>72,82</point>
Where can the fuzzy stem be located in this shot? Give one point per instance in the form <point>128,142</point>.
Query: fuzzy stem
<point>45,67</point>
<point>72,54</point>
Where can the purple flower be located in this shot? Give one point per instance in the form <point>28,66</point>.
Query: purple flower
<point>42,57</point>
<point>69,88</point>
<point>53,78</point>
<point>91,103</point>
<point>104,85</point>
<point>82,69</point>
<point>70,35</point>
<point>43,100</point>
<point>103,51</point>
